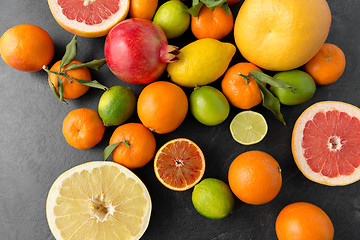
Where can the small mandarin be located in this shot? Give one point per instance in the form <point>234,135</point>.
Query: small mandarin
<point>143,9</point>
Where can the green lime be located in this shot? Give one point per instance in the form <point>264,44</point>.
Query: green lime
<point>173,18</point>
<point>209,106</point>
<point>213,198</point>
<point>117,105</point>
<point>248,127</point>
<point>302,82</point>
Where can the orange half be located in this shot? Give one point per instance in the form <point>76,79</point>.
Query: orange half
<point>179,164</point>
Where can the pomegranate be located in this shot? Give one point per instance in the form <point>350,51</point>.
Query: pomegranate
<point>137,51</point>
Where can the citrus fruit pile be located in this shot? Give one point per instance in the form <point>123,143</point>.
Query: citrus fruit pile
<point>106,200</point>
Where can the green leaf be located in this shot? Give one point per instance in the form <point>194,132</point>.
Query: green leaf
<point>93,83</point>
<point>212,4</point>
<point>94,64</point>
<point>195,9</point>
<point>270,102</point>
<point>108,150</point>
<point>53,88</point>
<point>60,87</point>
<point>70,53</point>
<point>262,77</point>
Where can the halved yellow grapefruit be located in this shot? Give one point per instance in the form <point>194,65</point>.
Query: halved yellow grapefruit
<point>326,143</point>
<point>89,18</point>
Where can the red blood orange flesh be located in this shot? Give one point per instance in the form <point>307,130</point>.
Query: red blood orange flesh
<point>326,143</point>
<point>179,164</point>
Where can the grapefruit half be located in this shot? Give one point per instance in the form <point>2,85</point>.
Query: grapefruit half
<point>89,18</point>
<point>179,164</point>
<point>326,143</point>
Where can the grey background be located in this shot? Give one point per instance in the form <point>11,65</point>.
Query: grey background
<point>34,152</point>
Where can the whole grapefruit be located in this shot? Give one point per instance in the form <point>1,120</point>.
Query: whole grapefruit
<point>281,35</point>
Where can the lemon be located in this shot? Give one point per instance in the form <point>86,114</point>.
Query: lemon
<point>201,62</point>
<point>248,127</point>
<point>98,200</point>
<point>213,198</point>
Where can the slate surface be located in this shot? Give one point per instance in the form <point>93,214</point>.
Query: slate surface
<point>34,152</point>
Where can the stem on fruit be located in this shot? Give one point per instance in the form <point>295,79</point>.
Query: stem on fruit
<point>246,78</point>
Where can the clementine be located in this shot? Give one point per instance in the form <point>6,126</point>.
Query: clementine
<point>137,145</point>
<point>71,88</point>
<point>26,47</point>
<point>327,65</point>
<point>303,221</point>
<point>241,92</point>
<point>143,9</point>
<point>162,106</point>
<point>83,128</point>
<point>255,177</point>
<point>212,24</point>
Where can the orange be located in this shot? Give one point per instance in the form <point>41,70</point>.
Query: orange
<point>143,8</point>
<point>26,47</point>
<point>162,106</point>
<point>303,221</point>
<point>241,92</point>
<point>179,164</point>
<point>327,65</point>
<point>71,89</point>
<point>255,177</point>
<point>212,24</point>
<point>83,128</point>
<point>325,143</point>
<point>281,35</point>
<point>137,145</point>
<point>89,18</point>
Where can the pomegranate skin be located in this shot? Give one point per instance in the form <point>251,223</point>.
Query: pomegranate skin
<point>136,51</point>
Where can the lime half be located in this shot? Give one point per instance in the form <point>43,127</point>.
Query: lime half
<point>248,127</point>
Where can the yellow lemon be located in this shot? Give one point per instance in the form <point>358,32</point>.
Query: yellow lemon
<point>201,62</point>
<point>281,35</point>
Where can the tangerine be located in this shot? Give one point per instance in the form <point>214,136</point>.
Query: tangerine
<point>143,9</point>
<point>241,92</point>
<point>212,24</point>
<point>26,47</point>
<point>137,145</point>
<point>162,106</point>
<point>303,221</point>
<point>327,65</point>
<point>83,128</point>
<point>255,177</point>
<point>71,88</point>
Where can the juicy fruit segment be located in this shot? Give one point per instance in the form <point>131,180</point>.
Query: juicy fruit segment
<point>89,18</point>
<point>179,164</point>
<point>117,105</point>
<point>98,200</point>
<point>213,198</point>
<point>325,142</point>
<point>248,127</point>
<point>209,106</point>
<point>281,35</point>
<point>300,220</point>
<point>201,62</point>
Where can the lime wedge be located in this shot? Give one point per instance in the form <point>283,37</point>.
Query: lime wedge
<point>248,127</point>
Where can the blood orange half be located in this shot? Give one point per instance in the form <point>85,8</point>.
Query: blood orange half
<point>89,18</point>
<point>179,164</point>
<point>326,143</point>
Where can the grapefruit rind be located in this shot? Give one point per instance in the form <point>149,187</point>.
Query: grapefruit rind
<point>297,136</point>
<point>188,186</point>
<point>85,30</point>
<point>89,166</point>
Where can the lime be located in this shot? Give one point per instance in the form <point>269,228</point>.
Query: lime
<point>248,127</point>
<point>173,18</point>
<point>302,82</point>
<point>209,106</point>
<point>117,105</point>
<point>213,198</point>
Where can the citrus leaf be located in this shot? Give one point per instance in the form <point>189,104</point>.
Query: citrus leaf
<point>70,53</point>
<point>53,89</point>
<point>109,149</point>
<point>270,102</point>
<point>94,64</point>
<point>60,87</point>
<point>212,4</point>
<point>195,9</point>
<point>93,83</point>
<point>262,77</point>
